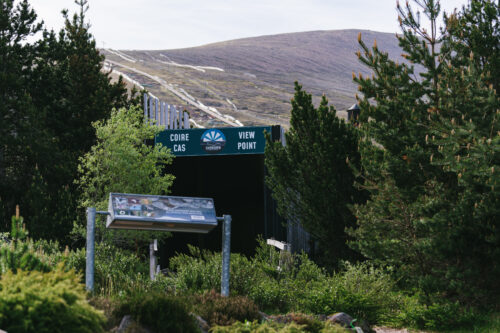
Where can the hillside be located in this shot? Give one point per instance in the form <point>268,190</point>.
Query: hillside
<point>252,79</point>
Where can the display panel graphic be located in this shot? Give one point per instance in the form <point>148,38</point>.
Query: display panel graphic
<point>153,212</point>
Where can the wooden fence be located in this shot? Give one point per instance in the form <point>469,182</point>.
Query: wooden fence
<point>163,114</point>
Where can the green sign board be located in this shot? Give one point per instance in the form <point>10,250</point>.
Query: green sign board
<point>215,141</point>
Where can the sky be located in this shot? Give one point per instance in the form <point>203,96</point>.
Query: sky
<point>171,24</point>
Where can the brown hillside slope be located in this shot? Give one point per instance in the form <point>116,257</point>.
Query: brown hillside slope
<point>258,73</point>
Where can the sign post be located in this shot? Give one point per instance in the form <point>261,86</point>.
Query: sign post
<point>89,267</point>
<point>226,254</point>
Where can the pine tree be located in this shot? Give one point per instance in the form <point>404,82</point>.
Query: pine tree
<point>20,133</point>
<point>423,133</point>
<point>310,178</point>
<point>55,88</point>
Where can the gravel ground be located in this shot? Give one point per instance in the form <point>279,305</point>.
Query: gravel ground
<point>394,330</point>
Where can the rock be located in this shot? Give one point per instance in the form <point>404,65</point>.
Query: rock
<point>202,324</point>
<point>340,318</point>
<point>343,319</point>
<point>263,316</point>
<point>128,325</point>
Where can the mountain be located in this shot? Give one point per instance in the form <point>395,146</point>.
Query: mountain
<point>251,79</point>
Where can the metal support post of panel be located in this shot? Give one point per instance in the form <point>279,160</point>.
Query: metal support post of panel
<point>89,269</point>
<point>152,260</point>
<point>226,254</point>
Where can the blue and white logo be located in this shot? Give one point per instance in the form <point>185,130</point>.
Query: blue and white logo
<point>213,140</point>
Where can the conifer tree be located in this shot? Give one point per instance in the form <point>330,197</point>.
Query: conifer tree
<point>20,133</point>
<point>310,178</point>
<point>430,155</point>
<point>54,88</point>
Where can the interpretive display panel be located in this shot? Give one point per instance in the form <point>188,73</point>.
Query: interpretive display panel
<point>153,212</point>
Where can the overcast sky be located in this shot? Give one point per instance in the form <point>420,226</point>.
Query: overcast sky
<point>168,24</point>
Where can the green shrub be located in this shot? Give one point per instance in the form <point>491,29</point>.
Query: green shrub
<point>437,316</point>
<point>218,310</point>
<point>360,290</point>
<point>116,270</point>
<point>158,311</point>
<point>273,296</point>
<point>46,302</point>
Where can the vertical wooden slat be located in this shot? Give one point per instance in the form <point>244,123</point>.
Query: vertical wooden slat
<point>176,117</point>
<point>145,108</point>
<point>172,116</point>
<point>165,109</point>
<point>186,119</point>
<point>150,113</point>
<point>167,116</point>
<point>156,110</point>
<point>159,113</point>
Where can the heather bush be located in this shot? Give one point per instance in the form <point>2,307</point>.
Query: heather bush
<point>274,327</point>
<point>46,302</point>
<point>219,310</point>
<point>158,311</point>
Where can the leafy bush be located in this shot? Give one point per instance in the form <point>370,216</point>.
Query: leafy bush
<point>158,311</point>
<point>46,302</point>
<point>219,310</point>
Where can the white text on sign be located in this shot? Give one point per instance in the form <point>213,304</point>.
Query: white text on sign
<point>246,145</point>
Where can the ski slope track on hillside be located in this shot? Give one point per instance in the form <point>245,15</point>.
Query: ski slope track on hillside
<point>195,67</point>
<point>213,112</point>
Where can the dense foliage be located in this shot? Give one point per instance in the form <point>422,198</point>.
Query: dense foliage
<point>361,290</point>
<point>310,178</point>
<point>430,153</point>
<point>51,91</point>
